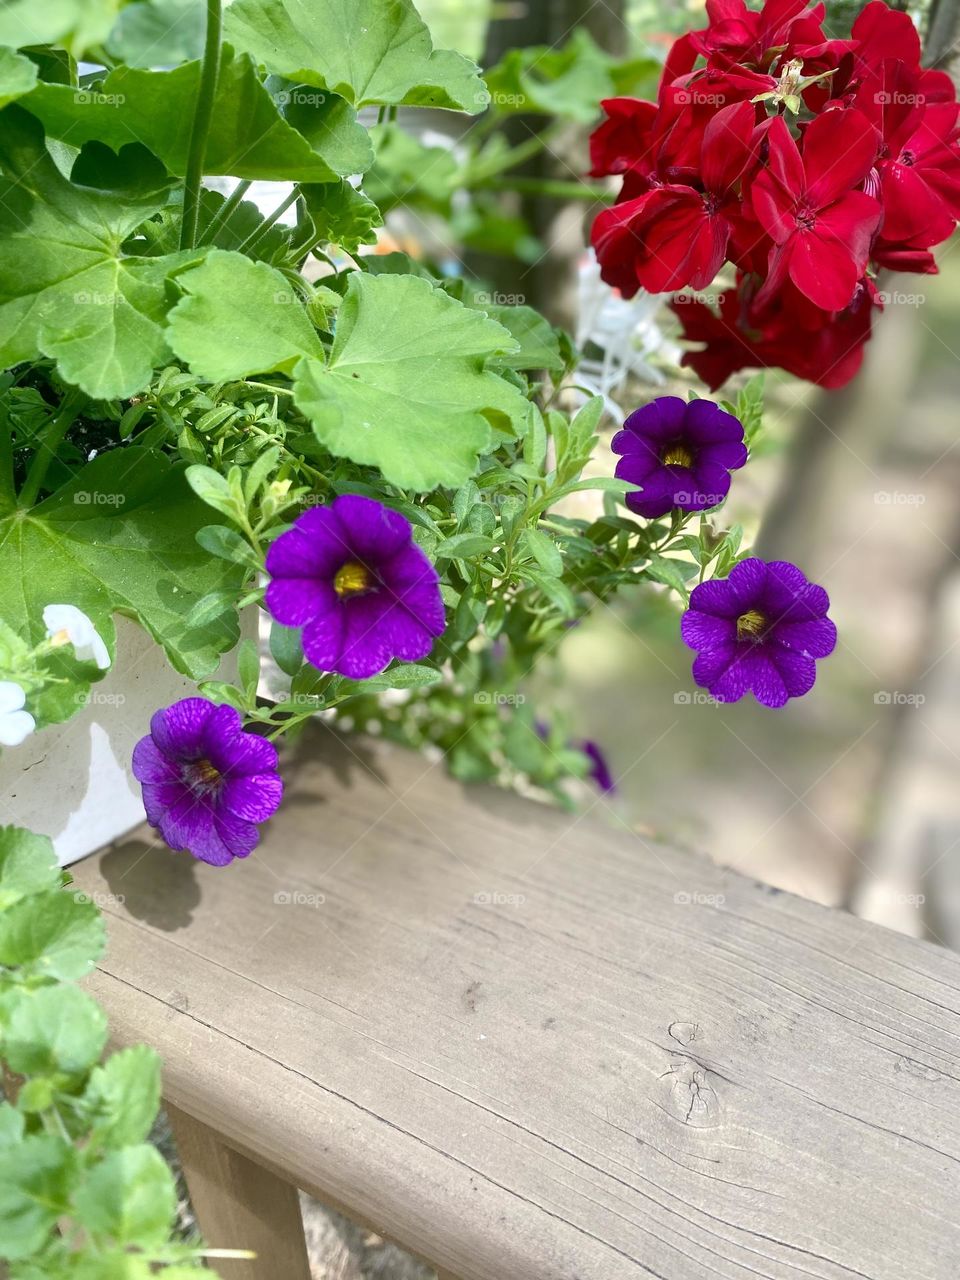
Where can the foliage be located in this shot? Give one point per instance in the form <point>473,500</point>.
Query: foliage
<point>82,1192</point>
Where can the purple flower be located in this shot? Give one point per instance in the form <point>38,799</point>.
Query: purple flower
<point>364,593</point>
<point>206,781</point>
<point>680,454</point>
<point>599,772</point>
<point>761,630</point>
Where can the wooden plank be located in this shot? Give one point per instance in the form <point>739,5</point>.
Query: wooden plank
<point>524,1044</point>
<point>239,1204</point>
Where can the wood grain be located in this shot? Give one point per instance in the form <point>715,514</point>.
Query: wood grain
<point>239,1204</point>
<point>532,1047</point>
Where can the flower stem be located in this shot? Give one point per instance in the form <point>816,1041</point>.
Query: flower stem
<point>259,232</point>
<point>47,446</point>
<point>8,492</point>
<point>202,117</point>
<point>222,216</point>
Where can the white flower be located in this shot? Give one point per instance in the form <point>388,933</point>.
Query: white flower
<point>15,723</point>
<point>66,624</point>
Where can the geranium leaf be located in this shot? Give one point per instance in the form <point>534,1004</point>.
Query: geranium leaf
<point>18,75</point>
<point>74,23</point>
<point>367,51</point>
<point>405,388</point>
<point>67,289</point>
<point>341,214</point>
<point>249,136</point>
<point>239,318</point>
<point>120,537</point>
<point>51,935</point>
<point>157,33</point>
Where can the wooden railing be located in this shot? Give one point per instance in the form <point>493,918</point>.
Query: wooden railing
<point>530,1047</point>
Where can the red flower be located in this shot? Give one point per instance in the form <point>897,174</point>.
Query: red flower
<point>626,139</point>
<point>820,227</point>
<point>673,235</point>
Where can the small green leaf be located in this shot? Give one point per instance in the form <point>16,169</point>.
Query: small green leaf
<point>226,544</point>
<point>545,551</point>
<point>58,1028</point>
<point>35,1182</point>
<point>18,75</point>
<point>28,865</point>
<point>286,648</point>
<point>409,675</point>
<point>123,1096</point>
<point>52,935</point>
<point>248,667</point>
<point>464,546</point>
<point>341,214</point>
<point>129,1198</point>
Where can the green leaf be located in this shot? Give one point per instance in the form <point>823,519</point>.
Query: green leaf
<point>18,75</point>
<point>129,1197</point>
<point>545,551</point>
<point>248,667</point>
<point>409,675</point>
<point>67,289</point>
<point>286,648</point>
<point>78,24</point>
<point>538,344</point>
<point>405,388</point>
<point>28,865</point>
<point>463,546</point>
<point>341,214</point>
<point>52,1029</point>
<point>212,488</point>
<point>12,1126</point>
<point>52,935</point>
<point>367,51</point>
<point>226,544</point>
<point>672,573</point>
<point>123,1096</point>
<point>132,170</point>
<point>158,33</point>
<point>249,136</point>
<point>35,1181</point>
<point>238,318</point>
<point>120,537</point>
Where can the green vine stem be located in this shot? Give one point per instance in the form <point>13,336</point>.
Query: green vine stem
<point>222,216</point>
<point>201,125</point>
<point>257,234</point>
<point>47,445</point>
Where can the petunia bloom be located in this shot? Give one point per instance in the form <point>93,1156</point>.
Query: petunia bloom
<point>15,723</point>
<point>680,455</point>
<point>206,781</point>
<point>760,630</point>
<point>66,624</point>
<point>352,577</point>
<point>599,772</point>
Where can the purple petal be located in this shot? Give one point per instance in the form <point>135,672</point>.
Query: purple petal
<point>661,419</point>
<point>314,548</point>
<point>818,638</point>
<point>150,764</point>
<point>409,567</point>
<point>766,681</point>
<point>295,601</point>
<point>239,838</point>
<point>716,597</point>
<point>159,797</point>
<point>374,532</point>
<point>635,467</point>
<point>707,423</point>
<point>707,631</point>
<point>730,455</point>
<point>797,671</point>
<point>254,798</point>
<point>322,639</point>
<point>737,678</point>
<point>366,650</point>
<point>244,755</point>
<point>426,604</point>
<point>178,730</point>
<point>223,728</point>
<point>711,664</point>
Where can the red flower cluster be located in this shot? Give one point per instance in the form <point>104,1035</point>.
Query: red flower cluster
<point>807,163</point>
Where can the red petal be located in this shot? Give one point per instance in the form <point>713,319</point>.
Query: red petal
<point>839,149</point>
<point>727,147</point>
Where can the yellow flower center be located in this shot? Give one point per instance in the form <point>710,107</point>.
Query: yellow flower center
<point>677,455</point>
<point>353,578</point>
<point>205,773</point>
<point>751,625</point>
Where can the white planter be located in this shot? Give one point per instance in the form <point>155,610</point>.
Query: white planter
<point>72,781</point>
